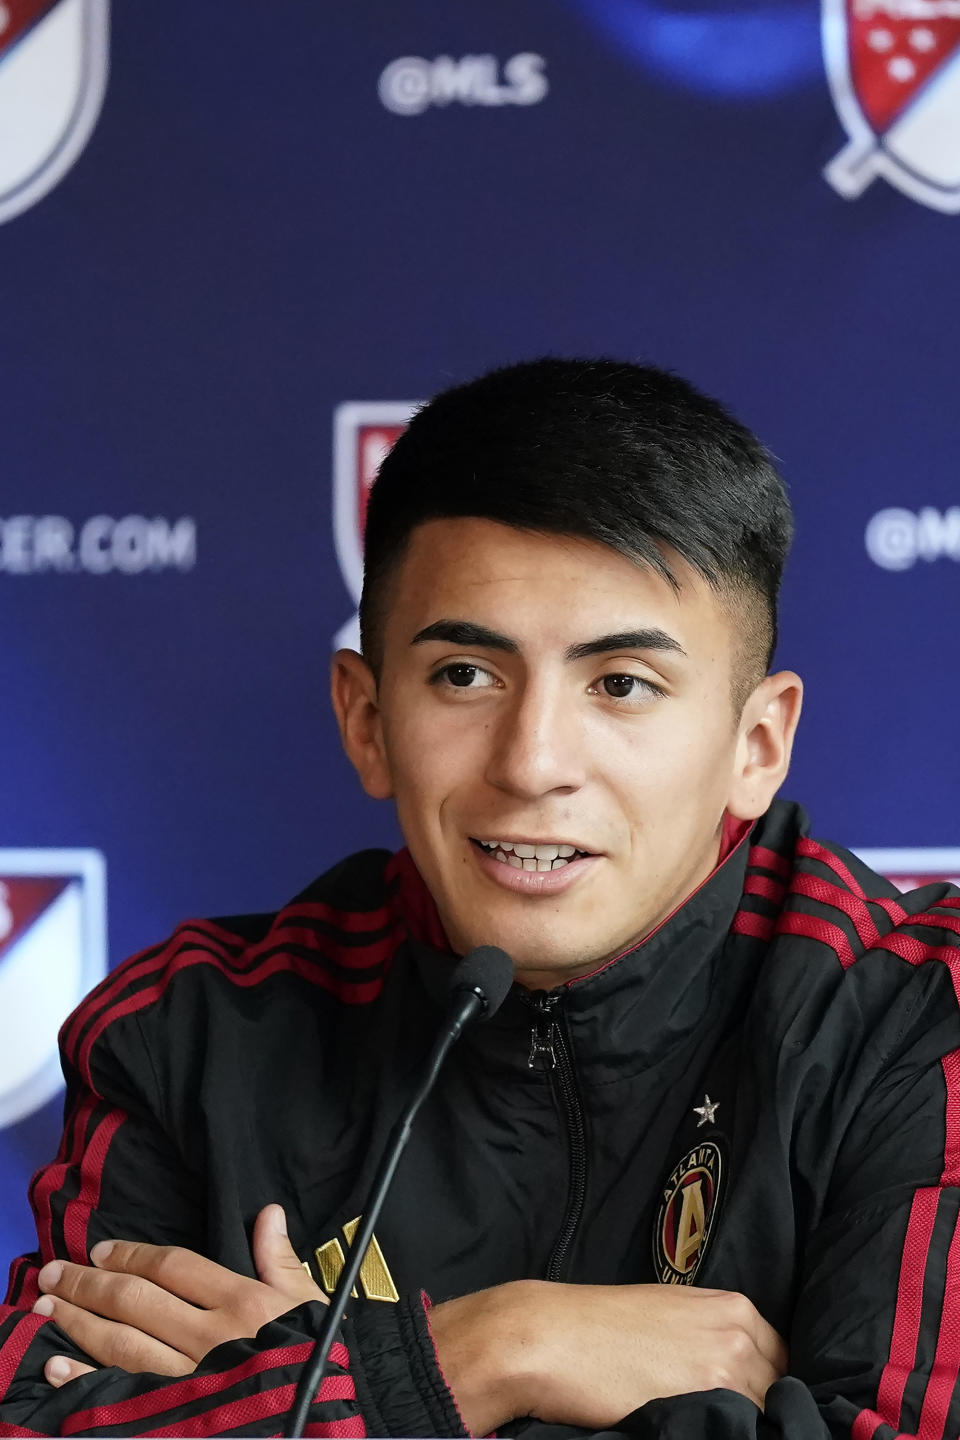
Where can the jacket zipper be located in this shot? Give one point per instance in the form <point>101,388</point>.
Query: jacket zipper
<point>550,1047</point>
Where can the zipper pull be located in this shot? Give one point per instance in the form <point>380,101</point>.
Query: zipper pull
<point>543,1034</point>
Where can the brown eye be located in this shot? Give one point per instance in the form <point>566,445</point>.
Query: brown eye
<point>461,675</point>
<point>619,687</point>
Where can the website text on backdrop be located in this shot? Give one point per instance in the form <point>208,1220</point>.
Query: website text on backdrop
<point>699,1173</point>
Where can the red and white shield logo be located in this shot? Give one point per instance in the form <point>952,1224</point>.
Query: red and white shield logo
<point>909,869</point>
<point>894,71</point>
<point>53,73</point>
<point>52,951</point>
<point>363,433</point>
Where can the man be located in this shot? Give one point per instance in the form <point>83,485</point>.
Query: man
<point>699,1175</point>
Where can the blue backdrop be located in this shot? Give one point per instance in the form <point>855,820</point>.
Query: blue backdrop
<point>222,224</point>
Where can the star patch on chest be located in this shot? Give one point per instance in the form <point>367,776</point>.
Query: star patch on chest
<point>707,1111</point>
<point>688,1207</point>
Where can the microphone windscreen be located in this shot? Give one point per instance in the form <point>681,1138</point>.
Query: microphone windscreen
<point>487,969</point>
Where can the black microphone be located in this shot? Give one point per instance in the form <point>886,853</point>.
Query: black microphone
<point>478,987</point>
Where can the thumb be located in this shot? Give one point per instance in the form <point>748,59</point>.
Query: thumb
<point>59,1370</point>
<point>276,1260</point>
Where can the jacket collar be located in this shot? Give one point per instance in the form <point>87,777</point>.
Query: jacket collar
<point>629,1011</point>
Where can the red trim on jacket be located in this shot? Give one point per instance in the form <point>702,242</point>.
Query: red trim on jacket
<point>76,1216</point>
<point>906,1322</point>
<point>946,1361</point>
<point>16,1346</point>
<point>306,969</point>
<point>200,1387</point>
<point>250,1409</point>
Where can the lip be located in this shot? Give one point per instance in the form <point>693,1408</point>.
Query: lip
<point>525,840</point>
<point>534,882</point>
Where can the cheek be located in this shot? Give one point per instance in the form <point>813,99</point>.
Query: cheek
<point>431,752</point>
<point>675,758</point>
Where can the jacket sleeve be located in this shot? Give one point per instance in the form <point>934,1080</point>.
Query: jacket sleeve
<point>382,1379</point>
<point>117,1173</point>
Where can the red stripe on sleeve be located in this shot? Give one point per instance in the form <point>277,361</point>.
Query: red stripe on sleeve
<point>350,957</point>
<point>747,922</point>
<point>347,1428</point>
<point>827,894</point>
<point>941,922</point>
<point>308,969</point>
<point>349,922</point>
<point>138,966</point>
<point>19,1276</point>
<point>951,1148</point>
<point>50,1180</point>
<point>906,1321</point>
<point>76,1216</point>
<point>812,850</point>
<point>763,885</point>
<point>195,1387</point>
<point>768,859</point>
<point>253,1408</point>
<point>946,1361</point>
<point>16,1346</point>
<point>811,927</point>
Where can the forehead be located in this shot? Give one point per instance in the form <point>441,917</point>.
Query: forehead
<point>547,589</point>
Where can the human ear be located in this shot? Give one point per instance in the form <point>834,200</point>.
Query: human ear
<point>353,691</point>
<point>765,744</point>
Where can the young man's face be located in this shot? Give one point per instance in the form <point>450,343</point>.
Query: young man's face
<point>546,692</point>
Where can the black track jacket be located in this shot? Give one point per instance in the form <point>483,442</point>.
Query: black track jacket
<point>763,1096</point>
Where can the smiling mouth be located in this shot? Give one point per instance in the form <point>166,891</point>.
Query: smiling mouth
<point>530,857</point>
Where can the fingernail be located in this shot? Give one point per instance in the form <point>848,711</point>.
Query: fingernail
<point>44,1306</point>
<point>57,1369</point>
<point>101,1251</point>
<point>50,1275</point>
<point>279,1220</point>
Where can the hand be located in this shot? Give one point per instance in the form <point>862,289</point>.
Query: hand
<point>588,1355</point>
<point>162,1308</point>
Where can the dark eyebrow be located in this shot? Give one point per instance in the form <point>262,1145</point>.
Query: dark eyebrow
<point>625,640</point>
<point>465,633</point>
<point>469,635</point>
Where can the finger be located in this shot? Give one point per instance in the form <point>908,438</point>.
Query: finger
<point>770,1345</point>
<point>59,1370</point>
<point>276,1260</point>
<point>180,1272</point>
<point>110,1343</point>
<point>131,1301</point>
<point>762,1377</point>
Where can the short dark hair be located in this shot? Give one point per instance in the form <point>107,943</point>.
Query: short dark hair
<point>627,455</point>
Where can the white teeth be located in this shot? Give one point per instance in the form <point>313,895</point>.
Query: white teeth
<point>529,857</point>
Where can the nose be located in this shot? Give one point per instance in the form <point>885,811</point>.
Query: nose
<point>537,747</point>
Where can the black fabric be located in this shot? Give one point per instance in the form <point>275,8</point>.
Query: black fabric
<point>780,1038</point>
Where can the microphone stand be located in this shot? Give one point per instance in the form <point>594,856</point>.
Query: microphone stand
<point>470,1004</point>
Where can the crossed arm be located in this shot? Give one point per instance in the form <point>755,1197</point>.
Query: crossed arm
<point>529,1348</point>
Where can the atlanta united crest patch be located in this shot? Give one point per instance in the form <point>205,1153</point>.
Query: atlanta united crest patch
<point>688,1206</point>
